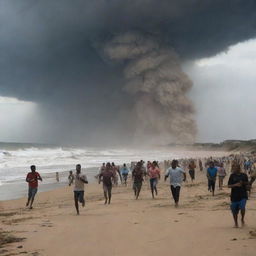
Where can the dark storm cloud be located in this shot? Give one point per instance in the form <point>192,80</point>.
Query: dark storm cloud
<point>52,52</point>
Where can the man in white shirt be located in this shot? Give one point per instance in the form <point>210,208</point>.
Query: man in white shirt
<point>80,180</point>
<point>177,176</point>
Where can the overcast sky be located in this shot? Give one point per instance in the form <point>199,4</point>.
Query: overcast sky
<point>224,94</point>
<point>107,72</point>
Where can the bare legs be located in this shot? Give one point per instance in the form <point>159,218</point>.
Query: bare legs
<point>31,201</point>
<point>31,196</point>
<point>153,187</point>
<point>79,197</point>
<point>107,193</point>
<point>137,188</point>
<point>175,194</point>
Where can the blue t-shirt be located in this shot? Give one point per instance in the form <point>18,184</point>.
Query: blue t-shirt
<point>212,172</point>
<point>124,170</point>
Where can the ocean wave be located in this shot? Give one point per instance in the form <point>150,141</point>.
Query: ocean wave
<point>15,162</point>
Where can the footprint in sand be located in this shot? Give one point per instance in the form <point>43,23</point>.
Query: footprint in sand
<point>253,234</point>
<point>47,224</point>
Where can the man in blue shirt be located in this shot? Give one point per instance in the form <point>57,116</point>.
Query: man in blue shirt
<point>211,176</point>
<point>124,173</point>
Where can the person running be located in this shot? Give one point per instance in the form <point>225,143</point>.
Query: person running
<point>200,165</point>
<point>101,169</point>
<point>177,175</point>
<point>191,170</point>
<point>211,176</point>
<point>70,178</point>
<point>107,176</point>
<point>154,175</point>
<point>32,179</point>
<point>252,176</point>
<point>221,174</point>
<point>80,180</point>
<point>137,176</point>
<point>124,173</point>
<point>238,182</point>
<point>116,172</point>
<point>57,177</point>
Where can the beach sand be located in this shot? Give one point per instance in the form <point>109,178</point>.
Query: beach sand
<point>202,225</point>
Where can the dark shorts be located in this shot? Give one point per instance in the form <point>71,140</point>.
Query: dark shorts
<point>79,195</point>
<point>192,174</point>
<point>137,185</point>
<point>125,175</point>
<point>153,182</point>
<point>32,192</point>
<point>239,205</point>
<point>107,187</point>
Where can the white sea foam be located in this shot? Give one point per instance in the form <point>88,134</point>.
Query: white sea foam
<point>15,163</point>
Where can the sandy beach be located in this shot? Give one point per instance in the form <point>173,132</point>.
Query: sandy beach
<point>202,225</point>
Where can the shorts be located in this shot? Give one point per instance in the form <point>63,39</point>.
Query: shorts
<point>239,205</point>
<point>32,192</point>
<point>107,188</point>
<point>137,185</point>
<point>125,175</point>
<point>153,182</point>
<point>79,195</point>
<point>192,174</point>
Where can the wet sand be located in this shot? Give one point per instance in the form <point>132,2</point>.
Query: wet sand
<point>202,225</point>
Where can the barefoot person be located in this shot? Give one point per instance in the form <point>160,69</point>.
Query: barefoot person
<point>107,176</point>
<point>32,179</point>
<point>211,176</point>
<point>154,175</point>
<point>177,175</point>
<point>80,180</point>
<point>221,175</point>
<point>252,176</point>
<point>117,174</point>
<point>70,178</point>
<point>57,177</point>
<point>200,165</point>
<point>124,173</point>
<point>238,182</point>
<point>191,170</point>
<point>137,176</point>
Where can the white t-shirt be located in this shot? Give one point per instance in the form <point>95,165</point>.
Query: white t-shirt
<point>79,184</point>
<point>176,176</point>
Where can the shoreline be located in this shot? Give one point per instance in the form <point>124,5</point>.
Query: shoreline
<point>18,189</point>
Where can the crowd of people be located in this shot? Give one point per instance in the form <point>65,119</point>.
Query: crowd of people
<point>242,170</point>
